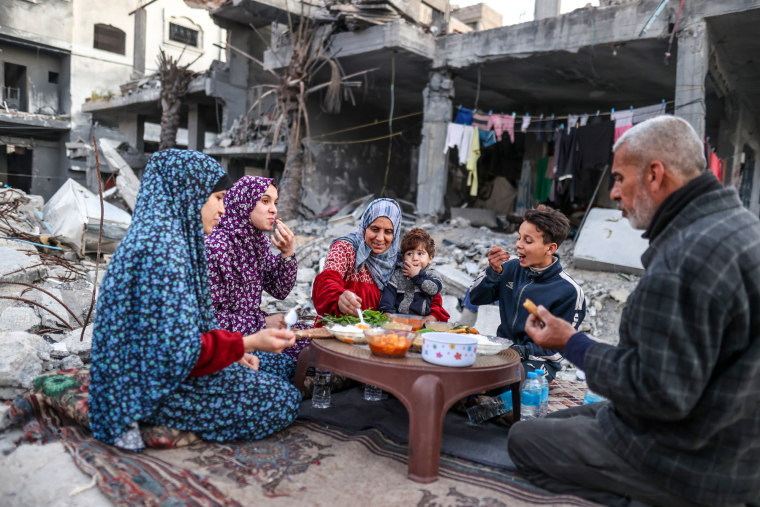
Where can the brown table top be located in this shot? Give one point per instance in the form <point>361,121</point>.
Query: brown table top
<point>414,360</point>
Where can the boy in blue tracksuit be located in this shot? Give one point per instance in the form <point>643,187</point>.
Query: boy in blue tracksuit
<point>535,274</point>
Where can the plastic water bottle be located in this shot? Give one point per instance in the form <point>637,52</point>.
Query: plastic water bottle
<point>374,393</point>
<point>592,397</point>
<point>530,397</point>
<point>320,397</point>
<point>491,408</point>
<point>541,374</point>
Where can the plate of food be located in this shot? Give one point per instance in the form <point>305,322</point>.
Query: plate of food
<point>351,333</point>
<point>488,346</point>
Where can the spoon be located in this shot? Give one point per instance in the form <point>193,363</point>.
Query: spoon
<point>291,318</point>
<point>361,317</point>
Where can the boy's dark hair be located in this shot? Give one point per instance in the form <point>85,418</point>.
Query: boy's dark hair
<point>552,223</point>
<point>415,238</point>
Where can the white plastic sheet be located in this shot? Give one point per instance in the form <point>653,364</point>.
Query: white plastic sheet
<point>73,214</point>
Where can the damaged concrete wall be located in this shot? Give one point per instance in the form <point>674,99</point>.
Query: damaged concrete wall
<point>46,21</point>
<point>346,171</point>
<point>43,75</point>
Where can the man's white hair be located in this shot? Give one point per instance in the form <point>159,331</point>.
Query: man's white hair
<point>666,138</point>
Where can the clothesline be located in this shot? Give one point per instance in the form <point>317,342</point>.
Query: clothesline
<point>565,117</point>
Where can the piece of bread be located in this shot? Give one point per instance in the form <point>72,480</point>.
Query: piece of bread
<point>315,332</point>
<point>531,307</point>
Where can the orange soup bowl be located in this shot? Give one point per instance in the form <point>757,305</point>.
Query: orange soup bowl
<point>389,342</point>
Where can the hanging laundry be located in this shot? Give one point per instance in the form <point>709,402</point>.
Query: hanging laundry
<point>572,121</point>
<point>540,128</point>
<point>543,183</point>
<point>594,154</point>
<point>459,137</point>
<point>623,121</point>
<point>645,113</point>
<point>716,166</point>
<point>565,157</point>
<point>487,138</point>
<point>472,163</point>
<point>464,116</point>
<point>480,121</point>
<point>549,129</point>
<point>502,123</point>
<point>524,190</point>
<point>584,119</point>
<point>525,123</point>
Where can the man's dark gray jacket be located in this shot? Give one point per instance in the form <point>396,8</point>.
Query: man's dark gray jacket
<point>685,379</point>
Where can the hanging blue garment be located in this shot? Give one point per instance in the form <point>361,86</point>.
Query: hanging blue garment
<point>487,138</point>
<point>464,116</point>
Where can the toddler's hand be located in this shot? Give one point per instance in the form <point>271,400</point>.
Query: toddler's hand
<point>410,270</point>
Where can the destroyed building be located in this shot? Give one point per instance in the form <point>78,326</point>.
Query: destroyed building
<point>57,56</point>
<point>415,64</point>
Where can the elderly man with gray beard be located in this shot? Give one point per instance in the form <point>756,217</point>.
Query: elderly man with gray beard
<point>682,422</point>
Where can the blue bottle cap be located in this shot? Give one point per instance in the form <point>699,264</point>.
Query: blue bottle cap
<point>532,374</point>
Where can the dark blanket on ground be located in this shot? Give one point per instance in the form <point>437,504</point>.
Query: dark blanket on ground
<point>486,443</point>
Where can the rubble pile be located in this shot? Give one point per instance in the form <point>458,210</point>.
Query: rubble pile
<point>46,289</point>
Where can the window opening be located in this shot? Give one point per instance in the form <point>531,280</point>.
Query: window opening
<point>53,77</point>
<point>14,87</point>
<point>183,34</point>
<point>109,38</point>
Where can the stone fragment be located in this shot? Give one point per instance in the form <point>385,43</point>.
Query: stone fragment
<point>305,275</point>
<point>21,357</point>
<point>18,266</point>
<point>19,318</point>
<point>71,361</point>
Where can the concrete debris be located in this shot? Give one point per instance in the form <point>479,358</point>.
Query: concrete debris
<point>126,180</point>
<point>607,242</point>
<point>21,358</point>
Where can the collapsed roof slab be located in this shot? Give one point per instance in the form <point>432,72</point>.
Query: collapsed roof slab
<point>261,13</point>
<point>396,36</point>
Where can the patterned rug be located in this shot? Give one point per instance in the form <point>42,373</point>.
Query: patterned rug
<point>307,464</point>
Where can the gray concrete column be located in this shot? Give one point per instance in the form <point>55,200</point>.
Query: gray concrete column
<point>432,172</point>
<point>196,130</point>
<point>132,127</point>
<point>141,31</point>
<point>546,9</point>
<point>691,71</point>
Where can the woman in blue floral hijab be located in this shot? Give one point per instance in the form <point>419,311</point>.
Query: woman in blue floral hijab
<point>158,356</point>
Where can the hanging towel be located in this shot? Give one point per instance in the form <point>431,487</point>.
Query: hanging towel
<point>502,123</point>
<point>716,166</point>
<point>472,163</point>
<point>481,121</point>
<point>525,123</point>
<point>623,122</point>
<point>584,119</point>
<point>459,137</point>
<point>645,113</point>
<point>543,184</point>
<point>572,120</point>
<point>464,116</point>
<point>487,138</point>
<point>524,191</point>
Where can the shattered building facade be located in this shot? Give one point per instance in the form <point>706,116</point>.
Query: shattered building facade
<point>57,56</point>
<point>415,64</point>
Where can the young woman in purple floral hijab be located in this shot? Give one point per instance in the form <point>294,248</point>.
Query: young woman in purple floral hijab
<point>240,262</point>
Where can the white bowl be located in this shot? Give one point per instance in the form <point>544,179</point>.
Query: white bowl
<point>348,334</point>
<point>449,349</point>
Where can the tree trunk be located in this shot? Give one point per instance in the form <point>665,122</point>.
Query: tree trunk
<point>169,123</point>
<point>292,175</point>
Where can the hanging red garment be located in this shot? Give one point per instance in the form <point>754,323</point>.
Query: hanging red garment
<point>716,166</point>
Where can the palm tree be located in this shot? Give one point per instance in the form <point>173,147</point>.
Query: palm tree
<point>174,83</point>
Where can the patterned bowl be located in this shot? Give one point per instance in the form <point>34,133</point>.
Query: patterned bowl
<point>449,349</point>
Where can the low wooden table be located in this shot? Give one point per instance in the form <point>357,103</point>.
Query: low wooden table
<point>426,390</point>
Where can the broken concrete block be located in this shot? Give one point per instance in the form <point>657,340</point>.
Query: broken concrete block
<point>451,305</point>
<point>5,419</point>
<point>351,212</point>
<point>488,320</point>
<point>126,180</point>
<point>71,361</point>
<point>21,357</point>
<point>305,275</point>
<point>476,216</point>
<point>59,351</point>
<point>17,266</point>
<point>19,318</point>
<point>80,348</point>
<point>47,318</point>
<point>454,281</point>
<point>77,295</point>
<point>607,242</point>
